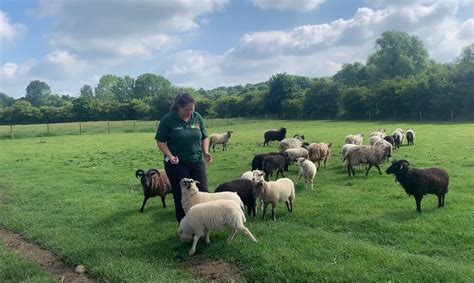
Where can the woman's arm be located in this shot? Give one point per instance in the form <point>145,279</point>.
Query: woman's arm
<point>205,150</point>
<point>166,151</point>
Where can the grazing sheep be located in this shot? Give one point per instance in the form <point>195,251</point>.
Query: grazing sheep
<point>213,215</point>
<point>410,137</point>
<point>282,190</point>
<point>307,171</point>
<point>275,162</point>
<point>154,183</point>
<point>318,152</point>
<point>419,182</point>
<point>246,189</point>
<point>370,155</point>
<point>192,196</point>
<point>390,139</point>
<point>355,139</point>
<point>295,153</point>
<point>296,142</point>
<point>274,135</point>
<point>223,139</point>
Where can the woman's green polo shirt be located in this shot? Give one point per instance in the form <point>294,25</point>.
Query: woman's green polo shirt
<point>184,139</point>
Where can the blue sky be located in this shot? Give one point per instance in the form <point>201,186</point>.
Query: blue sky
<point>210,43</point>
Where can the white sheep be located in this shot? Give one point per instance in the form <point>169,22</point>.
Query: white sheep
<point>192,196</point>
<point>295,142</point>
<point>355,139</point>
<point>255,175</point>
<point>398,136</point>
<point>213,215</point>
<point>410,137</point>
<point>281,190</point>
<point>370,155</point>
<point>295,153</point>
<point>307,171</point>
<point>380,133</point>
<point>223,139</point>
<point>374,139</point>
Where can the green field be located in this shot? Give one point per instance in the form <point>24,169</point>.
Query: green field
<point>78,197</point>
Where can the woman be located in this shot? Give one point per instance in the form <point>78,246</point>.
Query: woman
<point>182,137</point>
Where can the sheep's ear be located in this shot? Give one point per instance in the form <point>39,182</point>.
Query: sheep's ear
<point>197,182</point>
<point>329,145</point>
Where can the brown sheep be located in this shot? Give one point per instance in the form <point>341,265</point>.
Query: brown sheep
<point>318,152</point>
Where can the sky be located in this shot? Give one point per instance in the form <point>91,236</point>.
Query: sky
<point>211,43</point>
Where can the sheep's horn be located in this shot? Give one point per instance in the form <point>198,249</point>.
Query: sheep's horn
<point>139,172</point>
<point>154,170</point>
<point>403,160</point>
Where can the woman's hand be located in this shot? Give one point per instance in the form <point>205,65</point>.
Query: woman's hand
<point>208,157</point>
<point>174,159</point>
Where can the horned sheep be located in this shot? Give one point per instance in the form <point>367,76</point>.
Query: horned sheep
<point>155,183</point>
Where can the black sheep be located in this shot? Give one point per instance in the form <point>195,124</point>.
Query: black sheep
<point>271,163</point>
<point>258,159</point>
<point>246,189</point>
<point>419,182</point>
<point>274,135</point>
<point>390,139</point>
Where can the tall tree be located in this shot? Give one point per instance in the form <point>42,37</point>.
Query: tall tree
<point>6,100</point>
<point>86,91</point>
<point>151,85</point>
<point>282,86</point>
<point>397,54</point>
<point>103,91</point>
<point>36,92</point>
<point>123,89</point>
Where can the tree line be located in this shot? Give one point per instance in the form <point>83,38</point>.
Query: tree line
<point>399,80</point>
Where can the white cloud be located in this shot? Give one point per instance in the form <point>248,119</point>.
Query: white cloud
<point>9,70</point>
<point>9,31</point>
<point>291,5</point>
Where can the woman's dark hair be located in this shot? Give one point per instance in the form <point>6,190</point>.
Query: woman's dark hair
<point>181,100</point>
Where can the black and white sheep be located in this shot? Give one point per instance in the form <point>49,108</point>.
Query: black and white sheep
<point>247,190</point>
<point>274,135</point>
<point>154,183</point>
<point>419,182</point>
<point>410,137</point>
<point>275,162</point>
<point>223,139</point>
<point>371,155</point>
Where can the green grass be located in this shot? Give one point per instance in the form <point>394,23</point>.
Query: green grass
<point>78,196</point>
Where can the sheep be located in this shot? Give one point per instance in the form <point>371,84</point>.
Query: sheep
<point>255,175</point>
<point>410,137</point>
<point>355,139</point>
<point>223,139</point>
<point>282,190</point>
<point>318,152</point>
<point>374,139</point>
<point>192,196</point>
<point>398,138</point>
<point>213,215</point>
<point>419,182</point>
<point>295,142</point>
<point>246,189</point>
<point>275,162</point>
<point>307,171</point>
<point>295,153</point>
<point>258,159</point>
<point>274,135</point>
<point>370,155</point>
<point>154,183</point>
<point>380,133</point>
<point>345,148</point>
<point>390,139</point>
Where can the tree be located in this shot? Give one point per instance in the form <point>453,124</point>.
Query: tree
<point>36,92</point>
<point>151,85</point>
<point>123,89</point>
<point>282,86</point>
<point>83,108</point>
<point>6,100</point>
<point>86,91</point>
<point>397,54</point>
<point>322,100</point>
<point>103,91</point>
<point>25,113</point>
<point>352,75</point>
<point>355,103</point>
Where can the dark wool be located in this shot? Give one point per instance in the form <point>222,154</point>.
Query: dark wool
<point>274,135</point>
<point>410,138</point>
<point>246,189</point>
<point>390,139</point>
<point>258,159</point>
<point>275,162</point>
<point>154,183</point>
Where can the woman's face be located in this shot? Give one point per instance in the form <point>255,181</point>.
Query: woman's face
<point>186,112</point>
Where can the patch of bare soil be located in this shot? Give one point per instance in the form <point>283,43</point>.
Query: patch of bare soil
<point>46,259</point>
<point>214,271</point>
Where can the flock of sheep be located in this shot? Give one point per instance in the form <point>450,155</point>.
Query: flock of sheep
<point>225,207</point>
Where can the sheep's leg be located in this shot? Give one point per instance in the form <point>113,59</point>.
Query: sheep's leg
<point>248,233</point>
<point>349,170</point>
<point>143,205</point>
<point>418,199</point>
<point>254,208</point>
<point>311,183</point>
<point>273,211</point>
<point>249,210</point>
<point>440,200</point>
<point>299,177</point>
<point>442,204</point>
<point>287,202</point>
<point>379,169</point>
<point>163,200</point>
<point>265,204</point>
<point>368,169</point>
<point>192,251</point>
<point>231,236</point>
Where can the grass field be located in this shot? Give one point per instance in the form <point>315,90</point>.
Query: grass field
<point>78,196</point>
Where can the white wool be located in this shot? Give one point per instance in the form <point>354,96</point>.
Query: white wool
<point>411,131</point>
<point>192,196</point>
<point>318,152</point>
<point>346,148</point>
<point>290,143</point>
<point>374,139</point>
<point>378,133</point>
<point>255,175</point>
<point>307,171</point>
<point>354,139</point>
<point>223,139</point>
<point>213,215</point>
<point>280,190</point>
<point>295,153</point>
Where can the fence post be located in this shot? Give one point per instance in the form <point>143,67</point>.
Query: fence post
<point>420,115</point>
<point>394,115</point>
<point>369,115</point>
<point>108,127</point>
<point>452,115</point>
<point>11,131</point>
<point>134,126</point>
<point>80,128</point>
<point>47,129</point>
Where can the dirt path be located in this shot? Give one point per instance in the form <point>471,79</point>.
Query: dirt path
<point>46,259</point>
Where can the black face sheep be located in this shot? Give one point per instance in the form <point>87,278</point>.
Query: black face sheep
<point>274,135</point>
<point>419,182</point>
<point>410,137</point>
<point>371,155</point>
<point>390,139</point>
<point>223,139</point>
<point>275,162</point>
<point>155,183</point>
<point>247,191</point>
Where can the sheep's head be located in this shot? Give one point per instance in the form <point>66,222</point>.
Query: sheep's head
<point>259,187</point>
<point>301,161</point>
<point>146,177</point>
<point>397,166</point>
<point>188,184</point>
<point>230,132</point>
<point>184,233</point>
<point>283,130</point>
<point>258,175</point>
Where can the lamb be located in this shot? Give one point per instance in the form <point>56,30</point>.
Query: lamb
<point>295,142</point>
<point>154,183</point>
<point>192,196</point>
<point>282,190</point>
<point>275,162</point>
<point>213,215</point>
<point>355,139</point>
<point>295,153</point>
<point>307,171</point>
<point>223,139</point>
<point>371,155</point>
<point>318,152</point>
<point>274,135</point>
<point>410,137</point>
<point>419,182</point>
<point>246,189</point>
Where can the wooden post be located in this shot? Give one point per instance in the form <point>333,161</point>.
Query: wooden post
<point>369,115</point>
<point>80,128</point>
<point>134,127</point>
<point>47,128</point>
<point>11,131</point>
<point>227,121</point>
<point>420,115</point>
<point>108,127</point>
<point>394,115</point>
<point>452,115</point>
